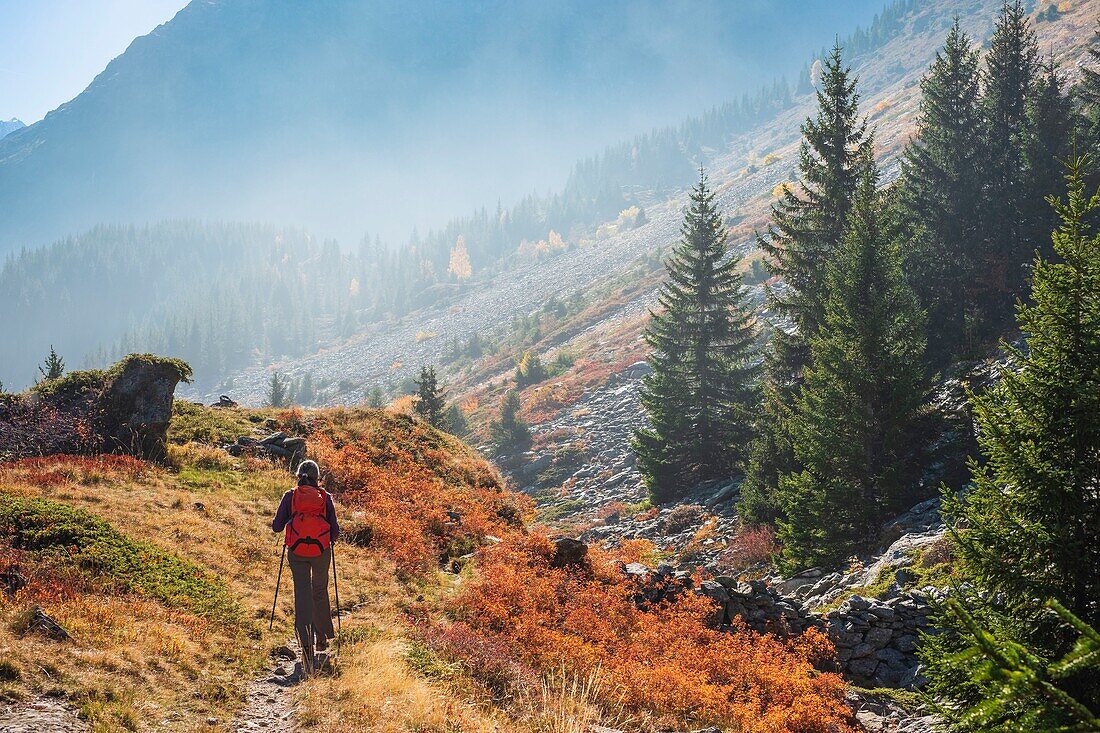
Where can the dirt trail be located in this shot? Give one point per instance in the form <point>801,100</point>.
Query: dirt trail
<point>40,715</point>
<point>270,705</point>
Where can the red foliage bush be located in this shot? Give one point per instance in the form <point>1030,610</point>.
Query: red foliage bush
<point>666,660</point>
<point>750,546</point>
<point>423,496</point>
<point>60,469</point>
<point>485,657</point>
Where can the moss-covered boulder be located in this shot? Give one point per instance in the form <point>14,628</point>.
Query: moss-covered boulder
<point>123,409</point>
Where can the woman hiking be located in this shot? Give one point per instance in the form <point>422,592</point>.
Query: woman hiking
<point>309,518</point>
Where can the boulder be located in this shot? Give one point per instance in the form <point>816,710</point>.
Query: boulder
<point>569,552</point>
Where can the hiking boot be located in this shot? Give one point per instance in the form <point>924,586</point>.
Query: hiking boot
<point>322,644</point>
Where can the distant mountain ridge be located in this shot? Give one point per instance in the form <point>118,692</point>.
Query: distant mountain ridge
<point>9,126</point>
<point>347,117</point>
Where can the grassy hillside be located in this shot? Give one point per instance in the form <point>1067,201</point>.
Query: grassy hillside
<point>462,617</point>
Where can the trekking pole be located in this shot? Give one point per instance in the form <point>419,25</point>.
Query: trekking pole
<point>278,580</point>
<point>336,583</point>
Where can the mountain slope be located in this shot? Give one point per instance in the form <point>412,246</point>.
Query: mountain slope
<point>344,116</point>
<point>744,173</point>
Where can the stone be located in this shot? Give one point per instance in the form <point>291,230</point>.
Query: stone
<point>137,404</point>
<point>906,643</point>
<point>714,590</point>
<point>41,622</point>
<point>568,552</point>
<point>878,636</point>
<point>864,668</point>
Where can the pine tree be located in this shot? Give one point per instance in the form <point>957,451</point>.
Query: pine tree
<point>858,422</point>
<point>1050,135</point>
<point>430,404</point>
<point>1021,689</point>
<point>510,433</point>
<point>375,398</point>
<point>1010,76</point>
<point>277,391</point>
<point>940,195</point>
<point>53,367</point>
<point>700,395</point>
<point>1088,92</point>
<point>1028,529</point>
<point>806,229</point>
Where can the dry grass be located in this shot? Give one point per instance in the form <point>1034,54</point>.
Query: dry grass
<point>377,691</point>
<point>134,663</point>
<point>133,659</point>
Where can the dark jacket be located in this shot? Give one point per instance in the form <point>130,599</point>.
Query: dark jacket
<point>282,516</point>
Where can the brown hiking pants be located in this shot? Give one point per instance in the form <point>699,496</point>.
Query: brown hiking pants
<point>312,615</point>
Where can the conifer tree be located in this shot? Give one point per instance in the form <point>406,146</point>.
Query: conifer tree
<point>1088,92</point>
<point>806,229</point>
<point>940,197</point>
<point>430,404</point>
<point>1028,529</point>
<point>278,391</point>
<point>1050,135</point>
<point>700,396</point>
<point>1010,75</point>
<point>857,424</point>
<point>375,398</point>
<point>510,433</point>
<point>53,367</point>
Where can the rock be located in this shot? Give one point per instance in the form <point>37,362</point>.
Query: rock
<point>137,404</point>
<point>878,637</point>
<point>801,580</point>
<point>42,623</point>
<point>224,401</point>
<point>863,667</point>
<point>284,652</point>
<point>568,552</point>
<point>715,591</point>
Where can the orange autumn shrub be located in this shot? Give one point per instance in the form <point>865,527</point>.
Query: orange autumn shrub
<point>423,495</point>
<point>62,468</point>
<point>666,661</point>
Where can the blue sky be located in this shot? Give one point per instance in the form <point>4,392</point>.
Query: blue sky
<point>50,50</point>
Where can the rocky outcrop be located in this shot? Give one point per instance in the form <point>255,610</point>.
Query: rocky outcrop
<point>124,409</point>
<point>136,401</point>
<point>291,449</point>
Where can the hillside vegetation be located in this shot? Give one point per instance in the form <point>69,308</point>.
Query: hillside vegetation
<point>462,617</point>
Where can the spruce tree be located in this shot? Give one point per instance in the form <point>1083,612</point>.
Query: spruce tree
<point>940,195</point>
<point>278,391</point>
<point>510,433</point>
<point>430,404</point>
<point>53,367</point>
<point>858,422</point>
<point>375,398</point>
<point>1028,529</point>
<point>1010,76</point>
<point>700,396</point>
<point>1088,92</point>
<point>1048,145</point>
<point>806,229</point>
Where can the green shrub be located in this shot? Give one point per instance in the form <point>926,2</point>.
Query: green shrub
<point>101,551</point>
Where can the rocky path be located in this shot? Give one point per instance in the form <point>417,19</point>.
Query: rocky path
<point>269,706</point>
<point>40,715</point>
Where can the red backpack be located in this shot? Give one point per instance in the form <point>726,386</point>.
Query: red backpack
<point>308,533</point>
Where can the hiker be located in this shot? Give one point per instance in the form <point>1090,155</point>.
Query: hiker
<point>309,518</point>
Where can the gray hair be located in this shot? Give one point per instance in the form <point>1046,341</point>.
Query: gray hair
<point>309,470</point>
